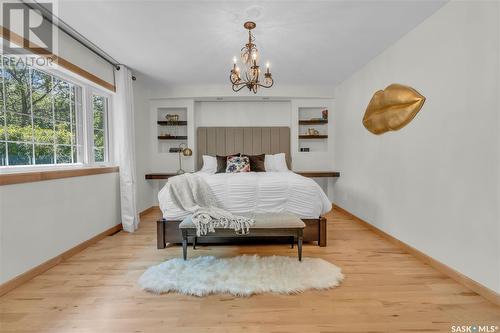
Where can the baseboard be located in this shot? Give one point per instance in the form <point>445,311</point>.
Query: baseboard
<point>26,276</point>
<point>148,210</point>
<point>457,276</point>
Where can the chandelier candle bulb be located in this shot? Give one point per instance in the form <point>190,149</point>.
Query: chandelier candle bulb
<point>249,56</point>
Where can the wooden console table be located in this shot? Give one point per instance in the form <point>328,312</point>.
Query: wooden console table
<point>159,175</point>
<point>309,174</point>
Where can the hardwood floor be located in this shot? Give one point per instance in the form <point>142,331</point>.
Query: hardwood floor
<point>385,290</point>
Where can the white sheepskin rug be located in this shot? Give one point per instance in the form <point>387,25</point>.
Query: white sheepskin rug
<point>240,276</point>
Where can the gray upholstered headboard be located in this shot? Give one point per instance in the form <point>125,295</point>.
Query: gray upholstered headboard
<point>248,140</point>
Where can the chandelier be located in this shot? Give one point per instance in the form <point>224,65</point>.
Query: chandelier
<point>250,77</point>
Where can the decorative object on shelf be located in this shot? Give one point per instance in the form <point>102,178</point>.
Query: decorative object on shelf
<point>172,117</point>
<point>392,108</point>
<point>305,150</point>
<point>324,114</point>
<point>312,131</point>
<point>250,77</point>
<point>172,122</point>
<point>184,151</point>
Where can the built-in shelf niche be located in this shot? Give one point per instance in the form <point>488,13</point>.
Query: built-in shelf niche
<point>311,117</point>
<point>171,133</point>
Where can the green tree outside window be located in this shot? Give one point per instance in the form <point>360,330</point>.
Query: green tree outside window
<point>38,117</point>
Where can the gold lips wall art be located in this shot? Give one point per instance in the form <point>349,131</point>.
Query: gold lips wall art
<point>392,108</point>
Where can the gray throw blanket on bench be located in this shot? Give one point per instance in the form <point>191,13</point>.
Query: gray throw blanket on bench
<point>192,193</point>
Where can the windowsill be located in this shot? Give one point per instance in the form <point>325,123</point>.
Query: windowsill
<point>51,167</point>
<point>32,174</point>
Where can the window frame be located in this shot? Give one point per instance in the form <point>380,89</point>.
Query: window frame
<point>90,125</point>
<point>86,157</point>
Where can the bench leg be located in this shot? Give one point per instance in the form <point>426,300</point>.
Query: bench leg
<point>299,246</point>
<point>292,241</point>
<point>194,243</point>
<point>300,236</point>
<point>160,234</point>
<point>184,244</point>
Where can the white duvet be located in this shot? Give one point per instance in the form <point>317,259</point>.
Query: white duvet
<point>258,192</point>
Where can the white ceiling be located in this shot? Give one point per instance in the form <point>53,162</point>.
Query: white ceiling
<point>193,42</point>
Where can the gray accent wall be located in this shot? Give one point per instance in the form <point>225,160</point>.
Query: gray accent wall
<point>247,140</point>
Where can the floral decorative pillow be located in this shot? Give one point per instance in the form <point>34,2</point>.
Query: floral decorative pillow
<point>238,164</point>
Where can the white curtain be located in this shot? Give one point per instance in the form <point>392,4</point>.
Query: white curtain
<point>124,146</point>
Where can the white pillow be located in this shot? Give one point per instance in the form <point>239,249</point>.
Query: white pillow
<point>269,163</point>
<point>276,163</point>
<point>209,164</point>
<point>280,163</point>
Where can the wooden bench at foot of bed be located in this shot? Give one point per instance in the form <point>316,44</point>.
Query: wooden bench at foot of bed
<point>168,232</point>
<point>268,225</point>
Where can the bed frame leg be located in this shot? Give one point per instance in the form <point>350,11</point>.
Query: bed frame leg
<point>184,244</point>
<point>322,232</point>
<point>194,243</point>
<point>160,234</point>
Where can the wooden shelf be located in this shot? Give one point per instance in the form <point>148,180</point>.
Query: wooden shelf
<point>159,175</point>
<point>172,123</point>
<point>313,136</point>
<point>313,122</point>
<point>319,174</point>
<point>164,137</point>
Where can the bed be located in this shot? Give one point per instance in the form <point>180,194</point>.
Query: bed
<point>258,192</point>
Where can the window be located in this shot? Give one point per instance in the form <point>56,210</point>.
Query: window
<point>42,118</point>
<point>99,110</point>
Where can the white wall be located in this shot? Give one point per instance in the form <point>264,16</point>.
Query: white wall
<point>246,113</point>
<point>40,220</point>
<point>218,90</point>
<point>143,146</point>
<point>433,184</point>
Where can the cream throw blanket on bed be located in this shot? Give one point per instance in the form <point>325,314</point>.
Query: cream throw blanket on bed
<point>192,193</point>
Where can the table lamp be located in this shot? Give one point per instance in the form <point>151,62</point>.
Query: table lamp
<point>185,151</point>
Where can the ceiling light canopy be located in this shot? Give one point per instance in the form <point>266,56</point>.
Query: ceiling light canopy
<point>250,77</point>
